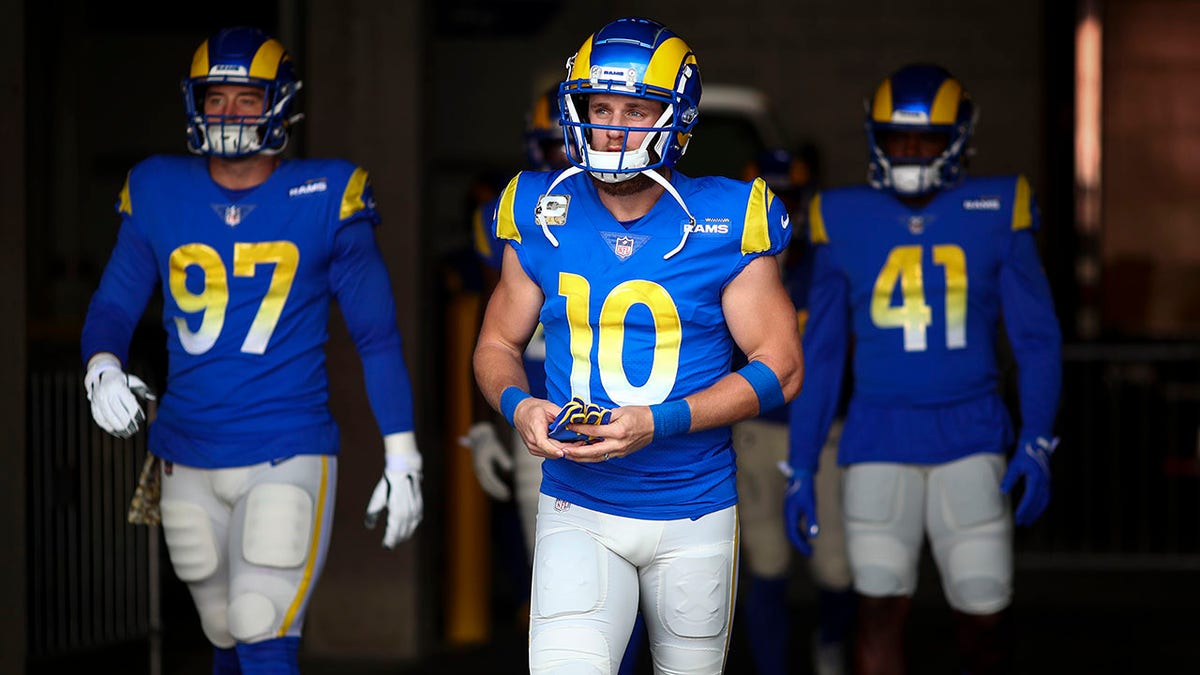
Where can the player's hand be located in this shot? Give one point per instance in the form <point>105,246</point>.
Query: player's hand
<point>532,419</point>
<point>1031,461</point>
<point>577,411</point>
<point>114,396</point>
<point>800,509</point>
<point>628,429</point>
<point>399,491</point>
<point>490,458</point>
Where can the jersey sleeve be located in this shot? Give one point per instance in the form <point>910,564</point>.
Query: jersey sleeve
<point>767,229</point>
<point>358,199</point>
<point>1034,333</point>
<point>825,340</point>
<point>126,285</point>
<point>360,282</point>
<point>508,232</point>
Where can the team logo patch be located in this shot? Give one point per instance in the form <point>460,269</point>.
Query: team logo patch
<point>624,244</point>
<point>232,214</point>
<point>707,226</point>
<point>627,75</point>
<point>982,204</point>
<point>551,210</point>
<point>308,187</point>
<point>561,505</point>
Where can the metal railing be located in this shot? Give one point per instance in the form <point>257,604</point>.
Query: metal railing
<point>93,577</point>
<point>1126,478</point>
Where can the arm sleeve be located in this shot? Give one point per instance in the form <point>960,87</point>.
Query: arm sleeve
<point>125,287</point>
<point>362,286</point>
<point>826,334</point>
<point>1034,333</point>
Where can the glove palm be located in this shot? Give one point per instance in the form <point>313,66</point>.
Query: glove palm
<point>398,491</point>
<point>800,509</point>
<point>490,457</point>
<point>114,397</point>
<point>1031,461</point>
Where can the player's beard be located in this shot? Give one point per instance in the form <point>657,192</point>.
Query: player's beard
<point>633,186</point>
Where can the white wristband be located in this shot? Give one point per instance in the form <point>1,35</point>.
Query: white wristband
<point>400,452</point>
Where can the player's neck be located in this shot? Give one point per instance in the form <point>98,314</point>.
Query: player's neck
<point>242,173</point>
<point>918,202</point>
<point>630,200</point>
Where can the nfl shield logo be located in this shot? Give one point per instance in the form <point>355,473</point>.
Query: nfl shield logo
<point>233,215</point>
<point>623,247</point>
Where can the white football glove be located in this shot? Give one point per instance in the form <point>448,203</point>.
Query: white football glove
<point>114,396</point>
<point>490,458</point>
<point>399,491</point>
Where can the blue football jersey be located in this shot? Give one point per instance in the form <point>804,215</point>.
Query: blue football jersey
<point>631,317</point>
<point>247,278</point>
<point>923,293</point>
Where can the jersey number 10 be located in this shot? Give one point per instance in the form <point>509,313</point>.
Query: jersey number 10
<point>609,352</point>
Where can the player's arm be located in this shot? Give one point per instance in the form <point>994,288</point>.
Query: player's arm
<point>825,343</point>
<point>508,323</point>
<point>1036,340</point>
<point>362,286</point>
<point>826,335</point>
<point>116,307</point>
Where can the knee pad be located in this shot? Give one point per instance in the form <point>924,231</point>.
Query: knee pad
<point>251,617</point>
<point>694,598</point>
<point>569,574</point>
<point>278,528</point>
<point>977,575</point>
<point>569,650</point>
<point>191,542</point>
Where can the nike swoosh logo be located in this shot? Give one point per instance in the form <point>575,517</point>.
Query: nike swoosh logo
<point>787,220</point>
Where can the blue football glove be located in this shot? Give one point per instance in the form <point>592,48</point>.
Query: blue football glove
<point>800,509</point>
<point>577,411</point>
<point>1031,461</point>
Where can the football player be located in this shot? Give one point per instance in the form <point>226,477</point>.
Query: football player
<point>545,150</point>
<point>923,268</point>
<point>248,249</point>
<point>644,280</point>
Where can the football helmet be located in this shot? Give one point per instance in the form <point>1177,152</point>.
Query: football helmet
<point>543,133</point>
<point>922,98</point>
<point>635,57</point>
<point>245,56</point>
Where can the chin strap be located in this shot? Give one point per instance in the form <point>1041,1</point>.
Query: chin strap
<point>657,178</point>
<point>666,185</point>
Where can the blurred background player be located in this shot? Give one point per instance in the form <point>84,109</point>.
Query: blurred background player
<point>762,445</point>
<point>921,268</point>
<point>642,301</point>
<point>545,150</point>
<point>249,249</point>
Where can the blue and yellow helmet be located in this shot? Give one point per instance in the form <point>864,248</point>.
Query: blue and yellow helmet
<point>922,98</point>
<point>633,57</point>
<point>543,132</point>
<point>245,56</point>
